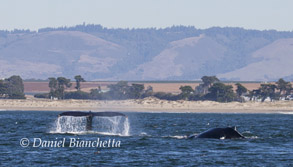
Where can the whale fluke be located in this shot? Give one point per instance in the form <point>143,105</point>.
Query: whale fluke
<point>89,116</point>
<point>99,114</point>
<point>219,133</point>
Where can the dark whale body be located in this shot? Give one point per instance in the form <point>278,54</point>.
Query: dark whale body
<point>89,116</point>
<point>99,114</point>
<point>219,133</point>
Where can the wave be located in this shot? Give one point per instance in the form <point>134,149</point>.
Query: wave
<point>176,137</point>
<point>286,112</point>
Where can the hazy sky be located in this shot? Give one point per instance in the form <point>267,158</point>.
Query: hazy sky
<point>250,14</point>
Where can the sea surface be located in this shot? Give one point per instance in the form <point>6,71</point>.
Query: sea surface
<point>145,139</point>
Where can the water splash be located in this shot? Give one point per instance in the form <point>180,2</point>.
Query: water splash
<point>111,125</point>
<point>101,125</point>
<point>70,124</point>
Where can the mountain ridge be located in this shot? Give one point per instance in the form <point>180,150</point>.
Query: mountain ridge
<point>174,53</point>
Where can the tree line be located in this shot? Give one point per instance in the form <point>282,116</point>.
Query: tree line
<point>280,90</point>
<point>211,88</point>
<point>121,90</point>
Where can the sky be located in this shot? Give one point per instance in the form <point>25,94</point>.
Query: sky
<point>248,14</point>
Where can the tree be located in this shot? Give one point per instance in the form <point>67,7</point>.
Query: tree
<point>148,92</point>
<point>165,96</point>
<point>208,81</point>
<point>119,90</point>
<point>254,94</point>
<point>76,95</point>
<point>53,83</point>
<point>122,90</point>
<point>136,91</point>
<point>221,92</point>
<point>2,89</point>
<point>14,87</point>
<point>200,90</point>
<point>186,91</point>
<point>58,86</point>
<point>240,90</point>
<point>284,87</point>
<point>78,79</point>
<point>63,83</point>
<point>96,93</point>
<point>267,90</point>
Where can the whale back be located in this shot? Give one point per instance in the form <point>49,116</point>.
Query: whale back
<point>220,133</point>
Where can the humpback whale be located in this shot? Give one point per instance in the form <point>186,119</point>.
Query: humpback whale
<point>89,116</point>
<point>100,114</point>
<point>219,133</point>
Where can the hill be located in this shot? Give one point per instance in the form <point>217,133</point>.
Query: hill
<point>274,61</point>
<point>174,53</point>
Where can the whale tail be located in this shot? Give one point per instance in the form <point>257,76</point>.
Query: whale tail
<point>93,114</point>
<point>89,116</point>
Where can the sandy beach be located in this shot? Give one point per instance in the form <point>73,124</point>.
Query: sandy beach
<point>145,105</point>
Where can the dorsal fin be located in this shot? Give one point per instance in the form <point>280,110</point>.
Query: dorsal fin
<point>232,127</point>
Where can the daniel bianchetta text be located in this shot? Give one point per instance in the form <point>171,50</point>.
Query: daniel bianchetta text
<point>70,142</point>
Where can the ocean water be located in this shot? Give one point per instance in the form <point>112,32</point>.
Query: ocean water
<point>145,139</point>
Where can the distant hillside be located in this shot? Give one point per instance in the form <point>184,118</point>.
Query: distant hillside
<point>275,60</point>
<point>175,53</point>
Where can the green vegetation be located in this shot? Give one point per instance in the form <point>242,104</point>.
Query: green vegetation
<point>270,91</point>
<point>207,82</point>
<point>186,92</point>
<point>58,86</point>
<point>284,87</point>
<point>118,91</point>
<point>221,93</point>
<point>211,88</point>
<point>240,91</point>
<point>2,88</point>
<point>96,94</point>
<point>78,79</point>
<point>42,95</point>
<point>136,91</point>
<point>165,96</point>
<point>122,90</point>
<point>12,88</point>
<point>77,95</point>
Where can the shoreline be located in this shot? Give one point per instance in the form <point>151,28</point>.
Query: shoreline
<point>145,105</point>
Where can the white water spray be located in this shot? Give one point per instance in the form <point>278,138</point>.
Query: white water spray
<point>117,125</point>
<point>111,125</point>
<point>70,124</point>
